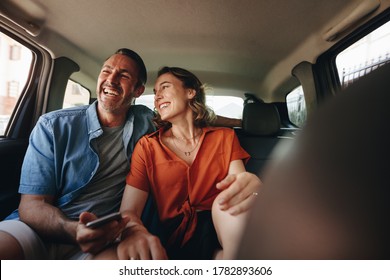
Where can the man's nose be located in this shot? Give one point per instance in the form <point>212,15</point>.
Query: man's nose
<point>113,78</point>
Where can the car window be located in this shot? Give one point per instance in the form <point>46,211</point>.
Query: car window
<point>75,95</point>
<point>226,106</point>
<point>15,64</point>
<point>296,106</point>
<point>365,55</point>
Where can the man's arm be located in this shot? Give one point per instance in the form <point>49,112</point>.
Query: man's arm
<point>227,122</point>
<point>37,209</point>
<point>48,221</point>
<point>51,224</point>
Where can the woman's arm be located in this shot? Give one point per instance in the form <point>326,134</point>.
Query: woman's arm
<point>136,241</point>
<point>230,227</point>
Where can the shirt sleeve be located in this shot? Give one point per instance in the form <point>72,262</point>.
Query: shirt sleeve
<point>38,175</point>
<point>137,177</point>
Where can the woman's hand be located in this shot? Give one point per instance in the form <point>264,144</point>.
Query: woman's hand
<point>138,244</point>
<point>239,191</point>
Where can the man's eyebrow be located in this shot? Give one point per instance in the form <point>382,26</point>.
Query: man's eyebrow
<point>122,70</point>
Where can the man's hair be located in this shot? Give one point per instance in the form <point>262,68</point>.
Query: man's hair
<point>142,76</point>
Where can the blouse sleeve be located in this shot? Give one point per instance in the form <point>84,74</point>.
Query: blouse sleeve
<point>137,176</point>
<point>237,151</point>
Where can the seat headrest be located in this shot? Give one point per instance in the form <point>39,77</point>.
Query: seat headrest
<point>261,119</point>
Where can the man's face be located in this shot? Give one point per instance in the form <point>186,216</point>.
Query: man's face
<point>116,85</point>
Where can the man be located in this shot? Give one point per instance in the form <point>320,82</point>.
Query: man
<point>76,165</point>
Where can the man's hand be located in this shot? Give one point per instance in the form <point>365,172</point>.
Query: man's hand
<point>138,244</point>
<point>239,192</point>
<point>94,240</point>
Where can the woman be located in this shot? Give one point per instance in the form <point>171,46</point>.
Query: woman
<point>180,165</point>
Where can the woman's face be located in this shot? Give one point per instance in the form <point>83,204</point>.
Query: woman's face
<point>171,98</point>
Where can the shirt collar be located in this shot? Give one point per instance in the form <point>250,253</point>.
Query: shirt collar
<point>92,118</point>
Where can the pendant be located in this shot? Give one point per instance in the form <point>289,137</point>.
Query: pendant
<point>187,153</point>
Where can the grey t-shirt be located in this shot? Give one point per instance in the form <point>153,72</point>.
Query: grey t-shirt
<point>104,193</point>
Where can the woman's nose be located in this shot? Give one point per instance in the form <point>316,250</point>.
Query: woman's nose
<point>157,95</point>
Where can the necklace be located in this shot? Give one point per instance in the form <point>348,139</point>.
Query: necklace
<point>184,138</point>
<point>186,153</point>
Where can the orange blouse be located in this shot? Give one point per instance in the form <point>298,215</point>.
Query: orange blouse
<point>180,189</point>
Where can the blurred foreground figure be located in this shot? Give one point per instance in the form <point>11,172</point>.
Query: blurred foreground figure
<point>328,198</point>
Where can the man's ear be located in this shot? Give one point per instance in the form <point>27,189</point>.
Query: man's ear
<point>139,91</point>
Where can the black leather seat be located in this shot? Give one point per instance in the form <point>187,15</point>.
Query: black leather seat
<point>261,131</point>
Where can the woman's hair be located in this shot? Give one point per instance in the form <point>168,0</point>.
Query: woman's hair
<point>203,115</point>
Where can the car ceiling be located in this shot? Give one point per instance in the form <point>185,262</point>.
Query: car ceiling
<point>244,46</point>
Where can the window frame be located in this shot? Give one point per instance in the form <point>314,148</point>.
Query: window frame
<point>26,110</point>
<point>75,83</point>
<point>325,69</point>
<point>302,122</point>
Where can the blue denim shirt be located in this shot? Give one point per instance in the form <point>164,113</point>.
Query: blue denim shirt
<point>60,159</point>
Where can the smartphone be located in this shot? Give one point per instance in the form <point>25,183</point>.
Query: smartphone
<point>105,219</point>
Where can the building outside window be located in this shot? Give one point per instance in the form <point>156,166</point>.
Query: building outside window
<point>15,52</point>
<point>15,64</point>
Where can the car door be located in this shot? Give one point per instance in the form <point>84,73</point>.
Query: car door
<point>21,68</point>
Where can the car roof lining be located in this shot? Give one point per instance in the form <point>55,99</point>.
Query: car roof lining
<point>214,39</point>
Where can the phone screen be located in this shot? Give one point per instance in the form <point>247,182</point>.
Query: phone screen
<point>105,219</point>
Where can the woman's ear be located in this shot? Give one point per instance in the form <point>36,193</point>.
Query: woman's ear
<point>191,93</point>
